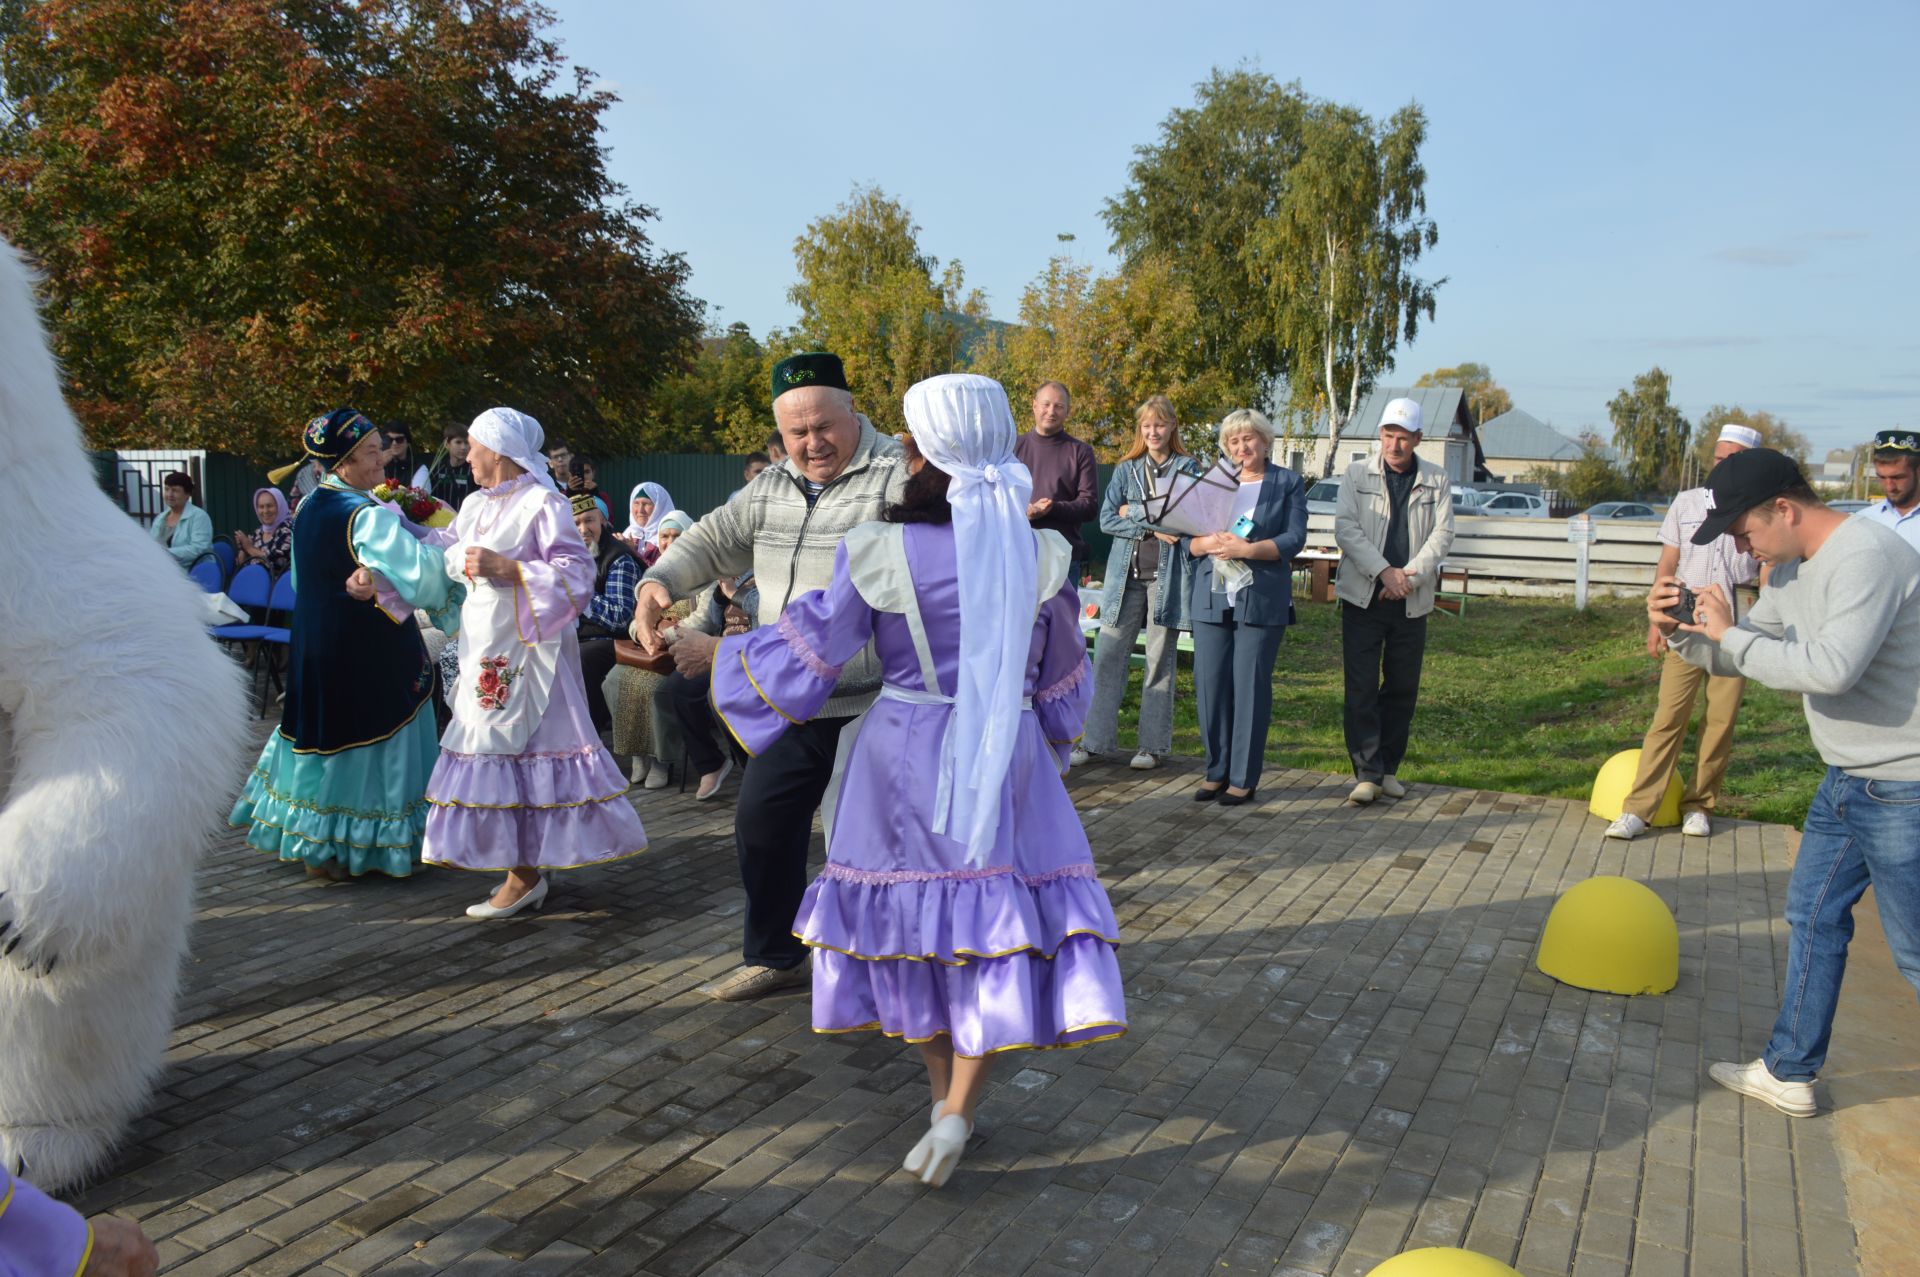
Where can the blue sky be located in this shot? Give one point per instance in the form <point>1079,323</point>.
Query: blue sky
<point>1728,191</point>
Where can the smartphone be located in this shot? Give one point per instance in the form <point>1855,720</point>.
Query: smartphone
<point>1242,527</point>
<point>1683,610</point>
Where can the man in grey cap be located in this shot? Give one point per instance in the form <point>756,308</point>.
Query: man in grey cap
<point>1838,621</point>
<point>1394,524</point>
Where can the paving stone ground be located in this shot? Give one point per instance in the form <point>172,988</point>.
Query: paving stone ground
<point>1339,1050</point>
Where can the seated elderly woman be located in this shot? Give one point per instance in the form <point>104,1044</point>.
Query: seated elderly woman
<point>272,542</point>
<point>610,611</point>
<point>185,530</point>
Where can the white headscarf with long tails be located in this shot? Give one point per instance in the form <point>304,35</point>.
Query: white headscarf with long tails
<point>517,437</point>
<point>961,423</point>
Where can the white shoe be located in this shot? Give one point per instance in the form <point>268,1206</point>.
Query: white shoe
<point>932,1160</point>
<point>1629,826</point>
<point>1390,786</point>
<point>1795,1099</point>
<point>1078,758</point>
<point>638,772</point>
<point>1364,792</point>
<point>1144,762</point>
<point>710,784</point>
<point>658,774</point>
<point>529,903</point>
<point>1696,825</point>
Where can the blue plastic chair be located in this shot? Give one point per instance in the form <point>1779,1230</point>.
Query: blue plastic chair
<point>206,574</point>
<point>280,604</point>
<point>224,552</point>
<point>251,587</point>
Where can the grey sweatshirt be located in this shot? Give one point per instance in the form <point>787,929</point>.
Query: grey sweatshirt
<point>1843,629</point>
<point>789,543</point>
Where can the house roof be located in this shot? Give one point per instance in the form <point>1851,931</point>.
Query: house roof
<point>1437,403</point>
<point>1521,436</point>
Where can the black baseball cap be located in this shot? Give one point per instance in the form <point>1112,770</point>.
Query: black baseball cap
<point>1741,482</point>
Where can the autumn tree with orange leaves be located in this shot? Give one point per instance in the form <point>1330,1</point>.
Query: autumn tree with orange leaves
<point>248,212</point>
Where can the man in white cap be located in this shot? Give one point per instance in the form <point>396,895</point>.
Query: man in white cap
<point>1394,524</point>
<point>1720,563</point>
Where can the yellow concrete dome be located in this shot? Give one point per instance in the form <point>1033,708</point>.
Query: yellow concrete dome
<point>1615,782</point>
<point>1612,935</point>
<point>1441,1261</point>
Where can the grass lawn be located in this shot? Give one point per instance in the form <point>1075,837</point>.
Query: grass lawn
<point>1522,695</point>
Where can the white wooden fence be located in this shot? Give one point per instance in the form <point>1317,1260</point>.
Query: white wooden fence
<point>1534,555</point>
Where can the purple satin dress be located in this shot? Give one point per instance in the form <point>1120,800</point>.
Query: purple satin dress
<point>908,938</point>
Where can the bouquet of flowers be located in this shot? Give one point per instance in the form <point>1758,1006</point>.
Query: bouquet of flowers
<point>421,507</point>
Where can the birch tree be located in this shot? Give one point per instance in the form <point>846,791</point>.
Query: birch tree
<point>1336,259</point>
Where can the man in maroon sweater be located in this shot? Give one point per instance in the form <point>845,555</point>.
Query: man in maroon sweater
<point>1064,497</point>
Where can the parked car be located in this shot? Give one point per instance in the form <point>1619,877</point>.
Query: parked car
<point>1622,510</point>
<point>1323,497</point>
<point>1512,505</point>
<point>1851,505</point>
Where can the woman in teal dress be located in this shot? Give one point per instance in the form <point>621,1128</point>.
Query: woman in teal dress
<point>341,786</point>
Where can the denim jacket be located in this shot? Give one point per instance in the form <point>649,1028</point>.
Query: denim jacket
<point>1128,487</point>
<point>1280,516</point>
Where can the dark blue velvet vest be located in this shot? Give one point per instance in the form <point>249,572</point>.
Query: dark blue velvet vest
<point>355,675</point>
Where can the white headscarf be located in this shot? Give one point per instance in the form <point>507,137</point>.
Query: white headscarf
<point>961,423</point>
<point>649,532</point>
<point>515,436</point>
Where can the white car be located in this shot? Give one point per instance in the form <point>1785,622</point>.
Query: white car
<point>1512,505</point>
<point>1323,497</point>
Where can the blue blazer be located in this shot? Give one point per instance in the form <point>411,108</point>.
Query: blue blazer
<point>1280,516</point>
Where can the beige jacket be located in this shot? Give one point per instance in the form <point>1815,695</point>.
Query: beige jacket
<point>1360,526</point>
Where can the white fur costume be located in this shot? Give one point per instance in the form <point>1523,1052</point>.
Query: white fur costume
<point>121,727</point>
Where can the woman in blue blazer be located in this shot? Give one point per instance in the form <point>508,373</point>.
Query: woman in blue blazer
<point>1238,621</point>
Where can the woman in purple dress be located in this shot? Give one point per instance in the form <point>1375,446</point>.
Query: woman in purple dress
<point>959,908</point>
<point>523,783</point>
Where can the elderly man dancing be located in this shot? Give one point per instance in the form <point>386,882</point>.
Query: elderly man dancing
<point>523,783</point>
<point>785,528</point>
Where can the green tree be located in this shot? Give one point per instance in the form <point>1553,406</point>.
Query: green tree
<point>1335,260</point>
<point>1650,433</point>
<point>1592,478</point>
<point>251,211</point>
<point>870,295</point>
<point>1113,340</point>
<point>1218,169</point>
<point>1486,398</point>
<point>718,404</point>
<point>1775,433</point>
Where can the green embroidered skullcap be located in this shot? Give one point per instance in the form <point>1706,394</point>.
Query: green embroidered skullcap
<point>814,368</point>
<point>1897,441</point>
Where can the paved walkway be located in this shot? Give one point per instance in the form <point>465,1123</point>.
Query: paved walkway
<point>1339,1050</point>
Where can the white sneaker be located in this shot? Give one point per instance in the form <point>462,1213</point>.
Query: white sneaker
<point>1795,1099</point>
<point>1390,786</point>
<point>1078,757</point>
<point>1364,792</point>
<point>1629,826</point>
<point>1696,825</point>
<point>710,783</point>
<point>1144,762</point>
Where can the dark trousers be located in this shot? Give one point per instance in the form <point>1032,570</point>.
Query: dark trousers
<point>596,662</point>
<point>772,823</point>
<point>1381,650</point>
<point>697,724</point>
<point>1233,688</point>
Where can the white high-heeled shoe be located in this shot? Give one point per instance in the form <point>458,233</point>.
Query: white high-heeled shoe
<point>529,902</point>
<point>933,1159</point>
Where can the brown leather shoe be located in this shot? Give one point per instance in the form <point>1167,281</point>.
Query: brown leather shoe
<point>752,982</point>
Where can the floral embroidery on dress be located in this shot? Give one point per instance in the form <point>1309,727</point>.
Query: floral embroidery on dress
<point>1050,694</point>
<point>798,645</point>
<point>495,683</point>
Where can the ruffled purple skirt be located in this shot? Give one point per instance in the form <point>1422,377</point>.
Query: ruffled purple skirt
<point>910,942</point>
<point>559,804</point>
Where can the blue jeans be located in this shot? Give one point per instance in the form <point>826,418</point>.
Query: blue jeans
<point>1858,833</point>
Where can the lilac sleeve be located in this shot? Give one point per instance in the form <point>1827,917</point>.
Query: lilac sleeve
<point>39,1237</point>
<point>1063,691</point>
<point>556,575</point>
<point>781,674</point>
